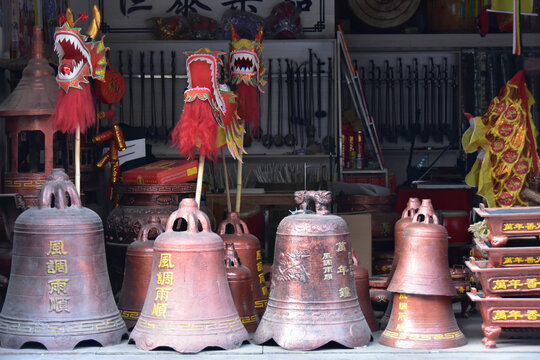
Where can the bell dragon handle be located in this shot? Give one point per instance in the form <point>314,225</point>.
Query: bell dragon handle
<point>321,199</point>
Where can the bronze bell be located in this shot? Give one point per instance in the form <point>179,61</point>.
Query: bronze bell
<point>423,261</point>
<point>361,280</point>
<point>312,299</point>
<point>239,278</point>
<point>406,218</point>
<point>422,314</point>
<point>422,322</point>
<point>188,306</point>
<point>248,249</point>
<point>137,272</point>
<point>59,292</point>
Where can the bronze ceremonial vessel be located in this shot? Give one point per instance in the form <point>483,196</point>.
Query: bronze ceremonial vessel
<point>510,312</point>
<point>422,315</point>
<point>189,305</point>
<point>506,256</point>
<point>361,280</point>
<point>509,277</point>
<point>139,256</point>
<point>423,264</point>
<point>509,222</point>
<point>313,298</point>
<point>235,230</point>
<point>138,202</point>
<point>239,278</point>
<point>508,281</point>
<point>59,292</point>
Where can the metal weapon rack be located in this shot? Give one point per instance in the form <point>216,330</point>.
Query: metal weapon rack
<point>344,66</point>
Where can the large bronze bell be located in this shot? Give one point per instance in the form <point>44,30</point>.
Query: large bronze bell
<point>423,261</point>
<point>239,278</point>
<point>313,298</point>
<point>59,292</point>
<point>406,218</point>
<point>188,306</point>
<point>139,256</point>
<point>422,322</point>
<point>248,248</point>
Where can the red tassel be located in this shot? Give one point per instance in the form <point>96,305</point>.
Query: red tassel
<point>196,128</point>
<point>248,105</point>
<point>76,107</point>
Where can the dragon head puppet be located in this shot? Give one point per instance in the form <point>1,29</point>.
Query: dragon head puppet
<point>246,71</point>
<point>209,119</point>
<point>80,58</point>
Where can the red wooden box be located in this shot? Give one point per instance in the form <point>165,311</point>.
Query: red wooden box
<point>162,172</point>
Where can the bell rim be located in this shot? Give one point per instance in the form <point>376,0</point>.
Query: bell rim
<point>281,335</point>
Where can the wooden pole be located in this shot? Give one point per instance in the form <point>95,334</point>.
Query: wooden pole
<point>239,185</point>
<point>78,159</point>
<point>226,175</point>
<point>239,181</point>
<point>200,172</point>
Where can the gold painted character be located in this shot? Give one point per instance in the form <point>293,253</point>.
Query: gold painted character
<point>56,248</point>
<point>165,261</point>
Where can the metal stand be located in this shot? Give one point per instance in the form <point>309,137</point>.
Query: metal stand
<point>360,106</point>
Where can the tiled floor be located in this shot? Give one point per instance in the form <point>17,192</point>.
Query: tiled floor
<point>523,349</point>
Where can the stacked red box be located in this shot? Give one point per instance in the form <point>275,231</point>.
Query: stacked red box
<point>162,172</point>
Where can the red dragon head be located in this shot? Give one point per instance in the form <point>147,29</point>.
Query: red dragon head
<point>80,56</point>
<point>245,60</point>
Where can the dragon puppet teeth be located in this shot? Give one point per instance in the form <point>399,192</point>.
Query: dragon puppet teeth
<point>73,66</point>
<point>244,62</point>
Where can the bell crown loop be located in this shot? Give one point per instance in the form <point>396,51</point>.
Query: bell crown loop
<point>55,192</point>
<point>427,212</point>
<point>233,219</point>
<point>153,224</point>
<point>412,206</point>
<point>189,211</point>
<point>321,199</point>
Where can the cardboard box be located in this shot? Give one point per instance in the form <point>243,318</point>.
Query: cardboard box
<point>360,228</point>
<point>162,172</point>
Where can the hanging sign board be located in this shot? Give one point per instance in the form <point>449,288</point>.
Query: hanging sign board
<point>133,16</point>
